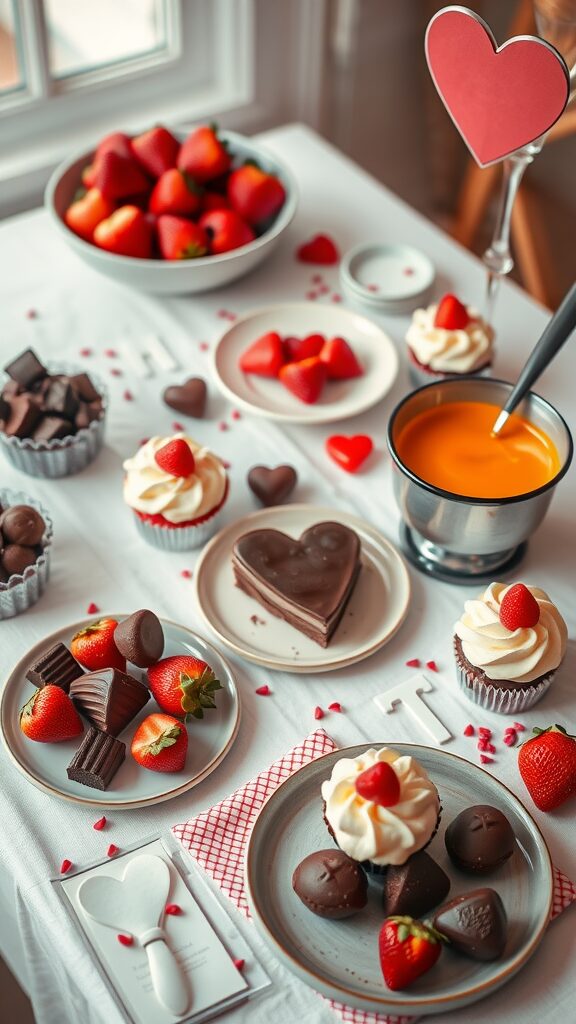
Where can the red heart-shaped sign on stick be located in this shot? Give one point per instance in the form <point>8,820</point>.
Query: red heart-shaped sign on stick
<point>500,98</point>
<point>349,452</point>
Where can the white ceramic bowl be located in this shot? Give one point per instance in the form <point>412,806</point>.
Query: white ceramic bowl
<point>173,277</point>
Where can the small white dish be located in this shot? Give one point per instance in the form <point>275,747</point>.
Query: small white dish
<point>44,764</point>
<point>339,400</point>
<point>375,612</point>
<point>390,278</point>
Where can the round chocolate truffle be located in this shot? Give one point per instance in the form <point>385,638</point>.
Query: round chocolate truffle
<point>330,884</point>
<point>480,839</point>
<point>16,558</point>
<point>23,525</point>
<point>140,638</point>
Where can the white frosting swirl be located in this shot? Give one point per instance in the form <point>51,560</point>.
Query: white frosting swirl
<point>450,351</point>
<point>384,835</point>
<point>150,489</point>
<point>519,655</point>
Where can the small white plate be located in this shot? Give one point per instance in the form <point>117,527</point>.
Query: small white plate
<point>375,612</point>
<point>387,274</point>
<point>340,958</point>
<point>265,396</point>
<point>44,764</point>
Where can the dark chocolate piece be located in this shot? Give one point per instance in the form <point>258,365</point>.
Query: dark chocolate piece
<point>26,369</point>
<point>53,428</point>
<point>188,398</point>
<point>272,486</point>
<point>330,884</point>
<point>480,839</point>
<point>22,524</point>
<point>109,698</point>
<point>24,415</point>
<point>87,413</point>
<point>4,577</point>
<point>140,638</point>
<point>16,558</point>
<point>61,398</point>
<point>97,760</point>
<point>56,667</point>
<point>306,582</point>
<point>415,887</point>
<point>4,409</point>
<point>475,923</point>
<point>10,389</point>
<point>84,387</point>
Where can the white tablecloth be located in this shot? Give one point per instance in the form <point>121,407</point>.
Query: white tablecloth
<point>98,557</point>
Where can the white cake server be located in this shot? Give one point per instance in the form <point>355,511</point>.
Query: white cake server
<point>135,904</point>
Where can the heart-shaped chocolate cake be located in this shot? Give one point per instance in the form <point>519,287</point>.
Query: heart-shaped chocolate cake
<point>307,582</point>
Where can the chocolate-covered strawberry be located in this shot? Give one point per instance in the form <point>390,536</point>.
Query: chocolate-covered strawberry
<point>50,716</point>
<point>183,686</point>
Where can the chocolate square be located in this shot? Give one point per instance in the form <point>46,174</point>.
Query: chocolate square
<point>55,667</point>
<point>53,428</point>
<point>84,387</point>
<point>4,409</point>
<point>61,398</point>
<point>23,416</point>
<point>26,369</point>
<point>97,760</point>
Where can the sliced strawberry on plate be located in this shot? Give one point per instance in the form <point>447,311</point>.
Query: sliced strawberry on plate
<point>264,356</point>
<point>226,230</point>
<point>204,155</point>
<point>125,232</point>
<point>304,379</point>
<point>254,194</point>
<point>176,458</point>
<point>84,215</point>
<point>320,249</point>
<point>340,361</point>
<point>183,686</point>
<point>407,949</point>
<point>180,239</point>
<point>50,716</point>
<point>118,176</point>
<point>296,349</point>
<point>94,647</point>
<point>160,744</point>
<point>451,314</point>
<point>175,193</point>
<point>519,609</point>
<point>156,150</point>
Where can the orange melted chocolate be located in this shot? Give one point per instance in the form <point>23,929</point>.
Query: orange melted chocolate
<point>452,446</point>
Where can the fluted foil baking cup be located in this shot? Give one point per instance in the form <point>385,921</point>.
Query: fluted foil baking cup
<point>504,701</point>
<point>182,538</point>
<point>20,592</point>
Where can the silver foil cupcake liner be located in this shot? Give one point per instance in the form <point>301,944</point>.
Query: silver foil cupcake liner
<point>177,539</point>
<point>503,700</point>
<point>20,592</point>
<point>62,457</point>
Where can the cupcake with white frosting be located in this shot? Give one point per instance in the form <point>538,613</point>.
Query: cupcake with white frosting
<point>448,339</point>
<point>380,808</point>
<point>509,643</point>
<point>176,488</point>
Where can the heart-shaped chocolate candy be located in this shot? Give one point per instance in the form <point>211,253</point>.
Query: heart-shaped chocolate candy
<point>188,398</point>
<point>272,486</point>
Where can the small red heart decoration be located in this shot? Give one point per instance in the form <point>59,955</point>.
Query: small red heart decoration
<point>349,452</point>
<point>320,249</point>
<point>379,784</point>
<point>500,98</point>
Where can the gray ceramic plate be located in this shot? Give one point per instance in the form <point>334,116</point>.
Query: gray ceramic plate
<point>44,764</point>
<point>340,958</point>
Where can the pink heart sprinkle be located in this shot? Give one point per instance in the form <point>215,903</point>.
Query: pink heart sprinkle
<point>203,346</point>
<point>482,744</point>
<point>32,314</point>
<point>483,731</point>
<point>373,287</point>
<point>85,352</point>
<point>177,427</point>
<point>186,574</point>
<point>112,850</point>
<point>115,371</point>
<point>111,353</point>
<point>490,747</point>
<point>408,271</point>
<point>335,706</point>
<point>432,666</point>
<point>227,465</point>
<point>510,738</point>
<point>263,691</point>
<point>235,414</point>
<point>99,825</point>
<point>125,940</point>
<point>128,396</point>
<point>486,760</point>
<point>413,663</point>
<point>311,296</point>
<point>323,289</point>
<point>173,909</point>
<point>316,279</point>
<point>144,440</point>
<point>223,426</point>
<point>519,727</point>
<point>65,866</point>
<point>469,730</point>
<point>92,608</point>
<point>239,963</point>
<point>336,297</point>
<point>318,713</point>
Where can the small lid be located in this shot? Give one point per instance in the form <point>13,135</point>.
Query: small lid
<point>386,276</point>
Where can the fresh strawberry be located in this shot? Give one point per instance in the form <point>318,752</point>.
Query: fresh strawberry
<point>547,764</point>
<point>116,142</point>
<point>203,155</point>
<point>340,361</point>
<point>226,230</point>
<point>408,949</point>
<point>176,458</point>
<point>254,194</point>
<point>519,609</point>
<point>83,215</point>
<point>264,356</point>
<point>451,314</point>
<point>160,744</point>
<point>126,233</point>
<point>214,201</point>
<point>118,176</point>
<point>296,349</point>
<point>183,686</point>
<point>380,784</point>
<point>320,249</point>
<point>50,716</point>
<point>180,239</point>
<point>156,150</point>
<point>94,646</point>
<point>304,379</point>
<point>175,193</point>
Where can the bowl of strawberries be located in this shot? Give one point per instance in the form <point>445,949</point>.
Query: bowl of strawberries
<point>171,211</point>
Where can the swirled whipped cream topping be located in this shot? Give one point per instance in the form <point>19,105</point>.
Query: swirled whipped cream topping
<point>150,489</point>
<point>384,835</point>
<point>461,350</point>
<point>520,655</point>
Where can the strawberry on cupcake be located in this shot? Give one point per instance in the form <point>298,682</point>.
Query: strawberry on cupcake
<point>448,339</point>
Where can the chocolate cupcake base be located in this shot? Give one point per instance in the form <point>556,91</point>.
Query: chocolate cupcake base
<point>503,696</point>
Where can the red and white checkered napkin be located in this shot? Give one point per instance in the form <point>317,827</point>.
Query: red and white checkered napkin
<point>217,839</point>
